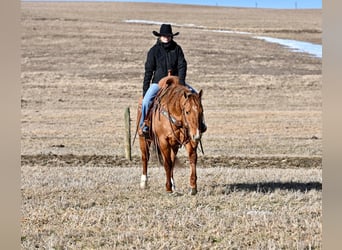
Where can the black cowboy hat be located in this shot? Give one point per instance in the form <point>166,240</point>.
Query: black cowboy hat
<point>165,30</point>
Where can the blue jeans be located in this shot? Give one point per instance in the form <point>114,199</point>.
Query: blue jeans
<point>147,101</point>
<point>149,97</point>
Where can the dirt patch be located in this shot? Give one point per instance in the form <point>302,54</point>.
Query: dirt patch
<point>69,160</point>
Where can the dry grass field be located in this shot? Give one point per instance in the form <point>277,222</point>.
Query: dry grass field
<point>260,179</point>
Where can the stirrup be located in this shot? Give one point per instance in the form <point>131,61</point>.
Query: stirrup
<point>145,130</point>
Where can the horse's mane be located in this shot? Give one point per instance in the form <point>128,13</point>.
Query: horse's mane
<point>171,92</point>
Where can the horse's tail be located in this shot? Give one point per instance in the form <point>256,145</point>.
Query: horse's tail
<point>156,147</point>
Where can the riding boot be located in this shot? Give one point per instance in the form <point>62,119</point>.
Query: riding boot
<point>203,127</point>
<point>145,129</point>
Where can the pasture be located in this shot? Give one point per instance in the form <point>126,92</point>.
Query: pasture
<point>260,179</point>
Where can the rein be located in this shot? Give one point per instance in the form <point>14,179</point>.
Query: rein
<point>171,118</point>
<point>177,123</point>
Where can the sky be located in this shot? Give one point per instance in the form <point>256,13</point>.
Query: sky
<point>277,4</point>
<point>282,4</point>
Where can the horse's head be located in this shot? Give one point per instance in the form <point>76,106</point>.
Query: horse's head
<point>193,114</point>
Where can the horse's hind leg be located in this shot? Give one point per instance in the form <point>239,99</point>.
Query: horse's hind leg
<point>145,155</point>
<point>144,148</point>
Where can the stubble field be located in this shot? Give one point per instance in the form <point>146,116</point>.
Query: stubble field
<point>260,179</point>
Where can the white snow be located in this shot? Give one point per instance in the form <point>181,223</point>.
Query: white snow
<point>296,46</point>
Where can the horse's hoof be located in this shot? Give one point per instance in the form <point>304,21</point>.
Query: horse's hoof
<point>175,194</point>
<point>173,185</point>
<point>143,182</point>
<point>143,185</point>
<point>193,191</point>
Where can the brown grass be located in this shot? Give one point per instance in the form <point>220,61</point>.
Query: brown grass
<point>102,208</point>
<point>260,178</point>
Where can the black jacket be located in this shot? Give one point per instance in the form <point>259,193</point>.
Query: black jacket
<point>160,58</point>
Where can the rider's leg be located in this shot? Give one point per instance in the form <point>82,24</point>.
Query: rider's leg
<point>148,99</point>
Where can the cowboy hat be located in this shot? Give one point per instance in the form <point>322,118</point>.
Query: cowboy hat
<point>165,30</point>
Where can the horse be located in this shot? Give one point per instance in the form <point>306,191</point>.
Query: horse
<point>175,118</point>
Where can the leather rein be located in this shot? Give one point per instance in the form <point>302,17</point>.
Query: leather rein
<point>179,124</point>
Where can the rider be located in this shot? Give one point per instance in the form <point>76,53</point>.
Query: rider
<point>165,56</point>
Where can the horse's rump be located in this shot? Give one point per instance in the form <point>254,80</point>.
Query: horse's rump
<point>169,94</point>
<point>167,81</point>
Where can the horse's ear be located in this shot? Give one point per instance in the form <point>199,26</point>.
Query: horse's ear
<point>200,93</point>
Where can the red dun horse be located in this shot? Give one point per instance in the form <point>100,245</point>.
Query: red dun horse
<point>175,118</point>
